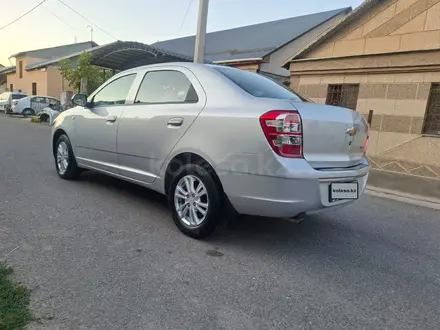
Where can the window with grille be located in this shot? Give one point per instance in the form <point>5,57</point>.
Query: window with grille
<point>344,95</point>
<point>431,126</point>
<point>34,88</point>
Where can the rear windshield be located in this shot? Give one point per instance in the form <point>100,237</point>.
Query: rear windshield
<point>18,96</point>
<point>258,85</point>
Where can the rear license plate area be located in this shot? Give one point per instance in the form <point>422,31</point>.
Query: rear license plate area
<point>343,191</point>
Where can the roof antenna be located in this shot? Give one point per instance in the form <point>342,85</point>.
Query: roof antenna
<point>91,32</point>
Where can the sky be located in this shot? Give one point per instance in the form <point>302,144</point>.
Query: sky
<point>53,24</point>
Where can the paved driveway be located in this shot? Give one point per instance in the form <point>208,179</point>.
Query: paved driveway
<point>103,254</point>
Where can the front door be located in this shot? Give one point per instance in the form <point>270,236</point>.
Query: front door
<point>167,103</point>
<point>96,128</point>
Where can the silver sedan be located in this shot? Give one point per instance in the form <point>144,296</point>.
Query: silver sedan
<point>212,139</point>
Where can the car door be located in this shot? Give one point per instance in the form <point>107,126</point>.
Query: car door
<point>165,106</point>
<point>96,126</point>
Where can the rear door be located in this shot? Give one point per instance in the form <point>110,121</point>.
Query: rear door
<point>166,104</point>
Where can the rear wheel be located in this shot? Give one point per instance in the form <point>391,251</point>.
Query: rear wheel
<point>65,162</point>
<point>196,201</point>
<point>28,112</point>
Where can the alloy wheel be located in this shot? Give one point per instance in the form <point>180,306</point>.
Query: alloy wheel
<point>62,157</point>
<point>191,200</point>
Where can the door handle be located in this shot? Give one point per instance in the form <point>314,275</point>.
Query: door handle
<point>111,119</point>
<point>175,122</point>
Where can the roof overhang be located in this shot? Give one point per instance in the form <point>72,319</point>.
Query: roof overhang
<point>6,70</point>
<point>121,55</point>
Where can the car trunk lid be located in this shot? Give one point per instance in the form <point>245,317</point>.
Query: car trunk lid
<point>333,137</point>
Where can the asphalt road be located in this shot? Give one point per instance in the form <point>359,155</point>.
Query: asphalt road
<point>103,254</point>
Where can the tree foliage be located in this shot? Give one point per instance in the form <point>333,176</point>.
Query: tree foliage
<point>83,69</point>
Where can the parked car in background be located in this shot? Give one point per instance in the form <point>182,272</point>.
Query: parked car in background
<point>7,99</point>
<point>210,137</point>
<point>31,105</point>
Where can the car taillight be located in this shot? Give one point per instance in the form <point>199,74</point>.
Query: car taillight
<point>283,131</point>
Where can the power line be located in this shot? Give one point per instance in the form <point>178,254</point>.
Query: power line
<point>59,18</point>
<point>186,14</point>
<point>85,18</point>
<point>18,18</point>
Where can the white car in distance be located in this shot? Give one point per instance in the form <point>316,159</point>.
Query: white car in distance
<point>31,105</point>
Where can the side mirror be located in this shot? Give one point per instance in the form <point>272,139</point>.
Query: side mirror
<point>79,99</point>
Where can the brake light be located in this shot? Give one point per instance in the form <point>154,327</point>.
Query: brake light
<point>283,131</point>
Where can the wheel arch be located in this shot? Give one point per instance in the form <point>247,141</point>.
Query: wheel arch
<point>55,137</point>
<point>185,158</point>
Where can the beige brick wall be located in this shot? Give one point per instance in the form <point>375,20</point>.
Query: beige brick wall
<point>393,26</point>
<point>399,102</point>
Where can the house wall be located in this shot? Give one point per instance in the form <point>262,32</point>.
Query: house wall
<point>392,52</point>
<point>393,26</point>
<point>55,82</point>
<point>399,103</point>
<point>25,83</point>
<point>276,60</point>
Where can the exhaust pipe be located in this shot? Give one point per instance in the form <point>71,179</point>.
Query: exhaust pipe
<point>298,218</point>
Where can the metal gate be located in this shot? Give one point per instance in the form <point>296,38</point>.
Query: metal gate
<point>345,95</point>
<point>431,125</point>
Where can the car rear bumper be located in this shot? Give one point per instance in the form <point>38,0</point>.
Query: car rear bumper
<point>288,192</point>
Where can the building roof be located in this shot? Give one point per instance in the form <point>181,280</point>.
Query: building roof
<point>253,41</point>
<point>367,4</point>
<point>121,55</point>
<point>7,69</point>
<point>58,51</point>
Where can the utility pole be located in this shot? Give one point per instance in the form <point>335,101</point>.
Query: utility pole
<point>91,32</point>
<point>199,51</point>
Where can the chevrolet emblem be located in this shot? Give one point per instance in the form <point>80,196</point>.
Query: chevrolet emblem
<point>352,131</point>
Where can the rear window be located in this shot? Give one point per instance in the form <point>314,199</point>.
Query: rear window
<point>18,96</point>
<point>259,86</point>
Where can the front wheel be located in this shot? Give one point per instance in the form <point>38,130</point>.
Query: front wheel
<point>65,162</point>
<point>196,201</point>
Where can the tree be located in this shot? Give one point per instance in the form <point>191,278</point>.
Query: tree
<point>83,69</point>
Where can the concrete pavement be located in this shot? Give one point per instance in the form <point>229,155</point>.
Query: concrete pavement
<point>103,254</point>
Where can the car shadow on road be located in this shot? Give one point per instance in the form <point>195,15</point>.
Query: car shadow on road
<point>325,239</point>
<point>245,230</point>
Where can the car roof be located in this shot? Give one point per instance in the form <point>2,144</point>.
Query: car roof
<point>50,97</point>
<point>188,65</point>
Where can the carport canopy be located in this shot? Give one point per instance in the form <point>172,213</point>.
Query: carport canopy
<point>122,55</point>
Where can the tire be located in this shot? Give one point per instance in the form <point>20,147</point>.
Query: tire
<point>64,147</point>
<point>28,112</point>
<point>213,217</point>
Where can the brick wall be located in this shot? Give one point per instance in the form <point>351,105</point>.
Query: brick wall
<point>399,103</point>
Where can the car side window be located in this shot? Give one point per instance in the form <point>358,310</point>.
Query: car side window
<point>115,93</point>
<point>38,99</point>
<point>166,86</point>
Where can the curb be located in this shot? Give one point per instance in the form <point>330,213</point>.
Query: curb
<point>399,196</point>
